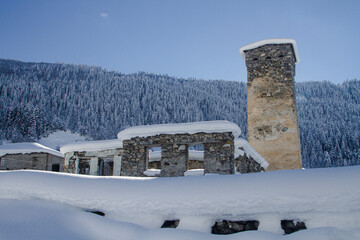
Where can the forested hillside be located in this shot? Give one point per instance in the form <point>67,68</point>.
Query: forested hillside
<point>39,98</point>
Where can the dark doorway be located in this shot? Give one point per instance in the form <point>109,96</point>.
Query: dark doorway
<point>55,167</point>
<point>106,167</point>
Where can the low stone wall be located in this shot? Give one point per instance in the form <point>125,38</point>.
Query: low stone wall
<point>36,161</point>
<point>245,164</point>
<point>218,153</point>
<point>192,164</point>
<point>154,165</point>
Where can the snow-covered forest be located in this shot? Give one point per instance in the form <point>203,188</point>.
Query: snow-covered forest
<point>39,98</point>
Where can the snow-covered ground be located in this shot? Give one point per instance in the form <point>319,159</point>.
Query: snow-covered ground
<point>36,205</point>
<point>40,220</point>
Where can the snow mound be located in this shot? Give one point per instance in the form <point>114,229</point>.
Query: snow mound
<point>249,151</point>
<point>320,197</point>
<point>92,146</point>
<point>270,41</point>
<point>39,219</point>
<point>180,128</point>
<point>24,148</point>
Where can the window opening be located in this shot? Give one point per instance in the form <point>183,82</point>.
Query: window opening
<point>84,166</point>
<point>154,154</point>
<point>195,165</point>
<point>153,167</point>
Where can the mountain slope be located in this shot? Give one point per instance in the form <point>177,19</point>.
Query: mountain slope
<point>39,98</point>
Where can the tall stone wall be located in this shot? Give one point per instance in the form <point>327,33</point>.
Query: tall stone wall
<point>218,153</point>
<point>272,114</point>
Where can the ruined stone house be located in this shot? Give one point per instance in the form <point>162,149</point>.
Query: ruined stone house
<point>101,158</point>
<point>35,156</point>
<point>198,148</point>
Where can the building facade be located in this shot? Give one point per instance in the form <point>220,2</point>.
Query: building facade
<point>166,150</point>
<point>34,156</point>
<point>99,158</point>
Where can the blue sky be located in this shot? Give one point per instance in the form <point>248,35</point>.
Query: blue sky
<point>183,38</point>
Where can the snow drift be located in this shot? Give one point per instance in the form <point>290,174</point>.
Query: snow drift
<point>319,197</point>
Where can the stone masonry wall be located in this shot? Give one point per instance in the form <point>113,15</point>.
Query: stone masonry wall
<point>218,153</point>
<point>245,164</point>
<point>36,161</point>
<point>192,164</point>
<point>272,114</point>
<point>174,159</point>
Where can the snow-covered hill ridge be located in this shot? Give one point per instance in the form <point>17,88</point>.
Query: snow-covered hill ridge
<point>319,197</point>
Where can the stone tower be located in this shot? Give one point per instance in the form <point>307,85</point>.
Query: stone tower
<point>273,128</point>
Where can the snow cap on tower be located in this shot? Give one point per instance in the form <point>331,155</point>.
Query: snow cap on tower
<point>271,41</point>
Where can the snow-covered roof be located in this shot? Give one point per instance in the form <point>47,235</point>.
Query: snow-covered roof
<point>91,146</point>
<point>270,41</point>
<point>25,148</point>
<point>179,128</point>
<point>249,151</point>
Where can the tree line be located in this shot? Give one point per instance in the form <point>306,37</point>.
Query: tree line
<point>39,98</point>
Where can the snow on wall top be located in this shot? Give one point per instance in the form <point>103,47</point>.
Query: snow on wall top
<point>24,148</point>
<point>270,41</point>
<point>179,128</point>
<point>91,146</point>
<point>249,151</point>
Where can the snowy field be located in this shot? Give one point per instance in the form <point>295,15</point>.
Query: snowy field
<point>45,205</point>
